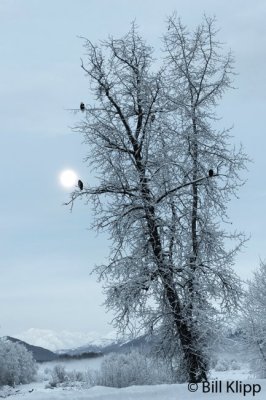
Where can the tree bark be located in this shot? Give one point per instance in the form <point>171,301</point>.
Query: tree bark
<point>194,360</point>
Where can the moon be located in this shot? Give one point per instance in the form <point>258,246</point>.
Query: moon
<point>68,178</point>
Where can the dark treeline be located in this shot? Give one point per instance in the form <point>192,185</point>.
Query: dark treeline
<point>81,356</point>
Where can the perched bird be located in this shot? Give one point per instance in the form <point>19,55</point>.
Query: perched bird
<point>152,117</point>
<point>80,184</point>
<point>82,106</point>
<point>210,173</point>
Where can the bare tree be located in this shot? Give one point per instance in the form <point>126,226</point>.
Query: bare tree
<point>153,148</point>
<point>253,322</point>
<point>197,75</point>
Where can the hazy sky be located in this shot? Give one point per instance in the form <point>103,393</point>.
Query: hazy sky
<point>46,251</point>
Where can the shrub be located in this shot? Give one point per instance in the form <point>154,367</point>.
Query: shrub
<point>117,370</point>
<point>134,368</point>
<point>222,365</point>
<point>225,365</point>
<point>16,364</point>
<point>61,377</point>
<point>235,365</point>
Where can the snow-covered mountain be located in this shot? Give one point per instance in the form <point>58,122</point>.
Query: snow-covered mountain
<point>122,345</point>
<point>61,340</point>
<point>78,343</point>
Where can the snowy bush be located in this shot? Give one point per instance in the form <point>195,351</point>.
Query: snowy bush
<point>117,370</point>
<point>58,375</point>
<point>134,368</point>
<point>76,376</point>
<point>225,365</point>
<point>43,375</point>
<point>16,364</point>
<point>61,377</point>
<point>235,365</point>
<point>92,377</point>
<point>222,365</point>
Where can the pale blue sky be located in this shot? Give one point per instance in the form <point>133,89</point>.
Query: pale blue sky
<point>47,252</point>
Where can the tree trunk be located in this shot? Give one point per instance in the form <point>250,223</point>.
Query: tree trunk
<point>195,363</point>
<point>196,367</point>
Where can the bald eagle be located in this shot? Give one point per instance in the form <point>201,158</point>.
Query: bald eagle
<point>82,106</point>
<point>80,184</point>
<point>210,173</point>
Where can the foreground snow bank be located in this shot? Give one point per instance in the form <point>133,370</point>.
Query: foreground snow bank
<point>156,392</point>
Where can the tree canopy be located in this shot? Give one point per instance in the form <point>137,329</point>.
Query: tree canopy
<point>165,176</point>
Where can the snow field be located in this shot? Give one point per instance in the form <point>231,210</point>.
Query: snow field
<point>156,392</point>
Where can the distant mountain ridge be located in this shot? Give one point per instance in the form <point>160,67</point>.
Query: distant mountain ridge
<point>41,354</point>
<point>117,346</point>
<point>57,340</point>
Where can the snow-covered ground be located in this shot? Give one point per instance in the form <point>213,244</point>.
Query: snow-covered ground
<point>156,392</point>
<point>38,391</point>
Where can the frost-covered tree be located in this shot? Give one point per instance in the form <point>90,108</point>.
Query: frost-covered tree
<point>253,322</point>
<point>152,143</point>
<point>197,74</point>
<point>16,364</point>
